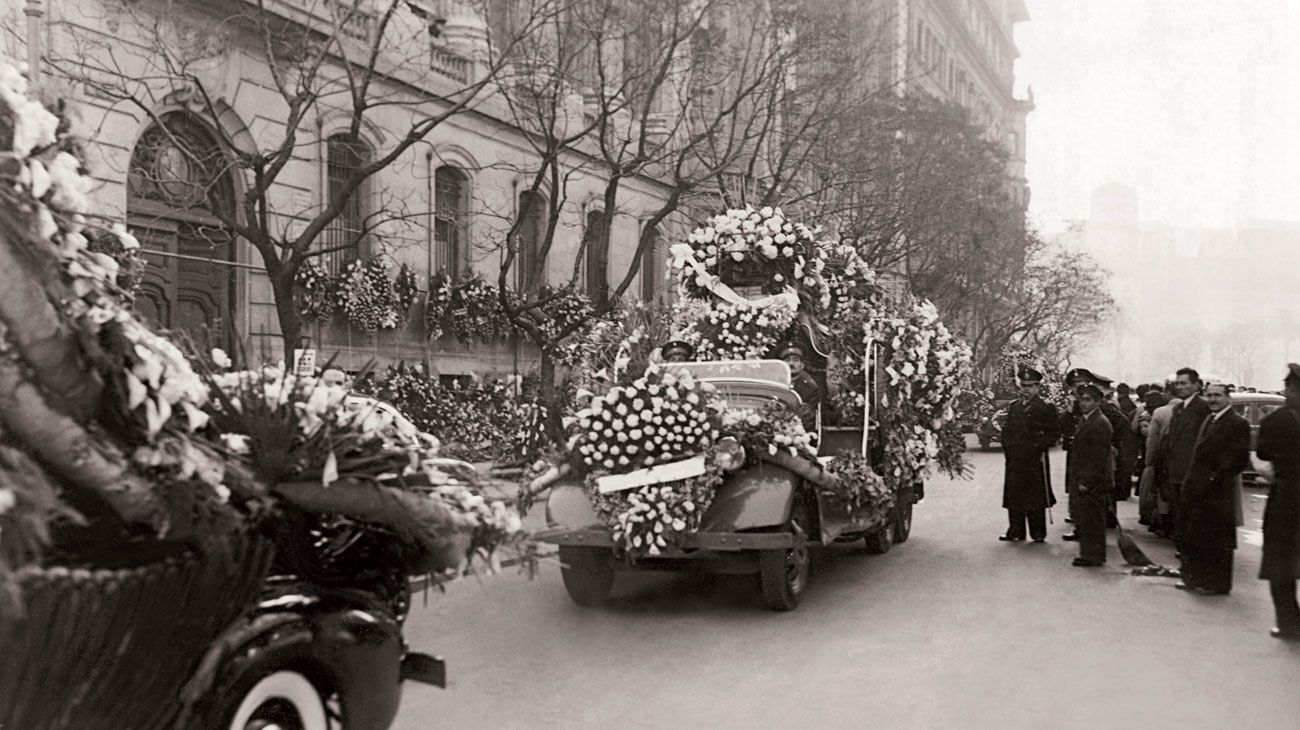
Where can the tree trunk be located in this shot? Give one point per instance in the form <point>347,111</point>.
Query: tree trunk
<point>286,311</point>
<point>551,397</point>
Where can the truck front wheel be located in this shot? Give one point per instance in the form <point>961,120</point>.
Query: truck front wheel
<point>903,523</point>
<point>784,573</point>
<point>881,539</point>
<point>588,574</point>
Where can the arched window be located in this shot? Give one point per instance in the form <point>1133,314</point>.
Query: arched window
<point>344,238</point>
<point>595,243</point>
<point>530,232</point>
<point>451,220</point>
<point>652,267</point>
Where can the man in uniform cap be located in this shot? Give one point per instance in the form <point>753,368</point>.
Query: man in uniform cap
<point>803,383</point>
<point>1031,428</point>
<point>1122,437</point>
<point>1089,471</point>
<point>677,351</point>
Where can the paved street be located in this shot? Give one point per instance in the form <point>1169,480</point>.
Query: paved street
<point>951,630</point>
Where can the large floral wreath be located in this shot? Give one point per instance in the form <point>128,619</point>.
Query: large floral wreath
<point>741,331</point>
<point>659,419</point>
<point>748,247</point>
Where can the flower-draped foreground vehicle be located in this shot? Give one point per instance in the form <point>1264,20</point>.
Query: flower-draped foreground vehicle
<point>180,544</point>
<point>713,463</point>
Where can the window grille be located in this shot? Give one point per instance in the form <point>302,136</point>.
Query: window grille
<point>450,221</point>
<point>343,240</point>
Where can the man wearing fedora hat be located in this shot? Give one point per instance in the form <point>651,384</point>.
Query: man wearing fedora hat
<point>1031,428</point>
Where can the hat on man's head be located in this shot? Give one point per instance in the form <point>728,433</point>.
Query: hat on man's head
<point>1102,380</point>
<point>1088,389</point>
<point>1292,373</point>
<point>1027,374</point>
<point>790,348</point>
<point>334,376</point>
<point>1077,376</point>
<point>677,344</point>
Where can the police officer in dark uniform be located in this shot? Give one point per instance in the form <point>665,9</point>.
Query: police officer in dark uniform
<point>1122,437</point>
<point>677,351</point>
<point>1032,427</point>
<point>809,391</point>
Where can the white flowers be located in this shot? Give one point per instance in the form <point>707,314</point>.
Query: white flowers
<point>630,427</point>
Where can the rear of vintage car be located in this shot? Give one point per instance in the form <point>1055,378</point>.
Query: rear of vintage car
<point>750,512</point>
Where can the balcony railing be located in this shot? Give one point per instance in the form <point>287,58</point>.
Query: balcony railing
<point>356,22</point>
<point>452,65</point>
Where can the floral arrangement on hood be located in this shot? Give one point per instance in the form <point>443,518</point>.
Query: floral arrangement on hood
<point>862,491</point>
<point>658,419</point>
<point>751,247</point>
<point>741,331</point>
<point>772,429</point>
<point>366,296</point>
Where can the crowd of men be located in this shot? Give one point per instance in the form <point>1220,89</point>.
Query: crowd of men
<point>1187,447</point>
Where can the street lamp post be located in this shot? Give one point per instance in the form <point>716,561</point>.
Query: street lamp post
<point>34,11</point>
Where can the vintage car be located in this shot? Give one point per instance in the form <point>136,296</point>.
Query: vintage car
<point>1254,407</point>
<point>763,519</point>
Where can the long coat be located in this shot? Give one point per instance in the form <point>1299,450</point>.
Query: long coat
<point>1089,462</point>
<point>1279,442</point>
<point>1180,442</point>
<point>1207,505</point>
<point>1032,427</point>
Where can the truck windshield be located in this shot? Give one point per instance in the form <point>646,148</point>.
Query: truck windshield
<point>770,371</point>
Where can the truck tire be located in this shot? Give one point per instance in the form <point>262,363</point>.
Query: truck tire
<point>880,540</point>
<point>588,574</point>
<point>784,573</point>
<point>903,522</point>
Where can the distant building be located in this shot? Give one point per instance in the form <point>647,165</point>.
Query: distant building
<point>965,51</point>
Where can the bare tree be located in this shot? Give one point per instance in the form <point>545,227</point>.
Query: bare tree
<point>669,95</point>
<point>366,62</point>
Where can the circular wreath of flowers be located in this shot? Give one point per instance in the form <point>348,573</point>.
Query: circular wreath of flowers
<point>406,289</point>
<point>659,418</point>
<point>743,246</point>
<point>366,296</point>
<point>742,331</point>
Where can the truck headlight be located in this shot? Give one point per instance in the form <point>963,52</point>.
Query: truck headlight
<point>729,454</point>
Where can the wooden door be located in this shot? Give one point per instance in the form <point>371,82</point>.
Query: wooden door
<point>187,283</point>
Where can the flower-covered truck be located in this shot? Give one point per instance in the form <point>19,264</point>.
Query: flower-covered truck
<point>708,464</point>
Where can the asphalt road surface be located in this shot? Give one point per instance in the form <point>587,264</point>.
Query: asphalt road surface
<point>951,630</point>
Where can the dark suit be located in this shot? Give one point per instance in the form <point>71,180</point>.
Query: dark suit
<point>1031,429</point>
<point>1089,479</point>
<point>1178,445</point>
<point>811,395</point>
<point>1279,442</point>
<point>1207,513</point>
<point>1125,445</point>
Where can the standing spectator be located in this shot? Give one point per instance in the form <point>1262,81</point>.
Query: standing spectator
<point>1176,449</point>
<point>1124,399</point>
<point>1279,442</point>
<point>1162,418</point>
<point>1144,422</point>
<point>1207,505</point>
<point>1088,478</point>
<point>1031,428</point>
<point>1125,444</point>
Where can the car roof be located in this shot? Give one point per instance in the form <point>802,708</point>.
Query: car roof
<point>1257,398</point>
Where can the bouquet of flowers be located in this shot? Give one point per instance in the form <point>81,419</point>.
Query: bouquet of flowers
<point>405,291</point>
<point>659,418</point>
<point>437,306</point>
<point>751,247</point>
<point>768,430</point>
<point>741,331</point>
<point>366,296</point>
<point>858,486</point>
<point>315,291</point>
<point>476,314</point>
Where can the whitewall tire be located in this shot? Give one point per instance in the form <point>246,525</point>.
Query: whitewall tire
<point>283,700</point>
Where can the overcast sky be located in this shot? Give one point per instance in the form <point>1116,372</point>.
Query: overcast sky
<point>1196,103</point>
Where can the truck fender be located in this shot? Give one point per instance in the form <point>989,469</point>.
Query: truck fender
<point>757,496</point>
<point>569,506</point>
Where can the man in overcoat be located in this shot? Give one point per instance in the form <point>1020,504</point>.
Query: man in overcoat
<point>1089,476</point>
<point>1207,506</point>
<point>1031,428</point>
<point>1279,442</point>
<point>1175,451</point>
